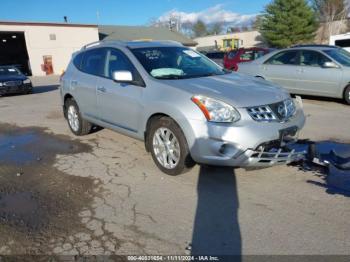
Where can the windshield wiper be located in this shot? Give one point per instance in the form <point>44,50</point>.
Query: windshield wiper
<point>208,74</point>
<point>169,77</point>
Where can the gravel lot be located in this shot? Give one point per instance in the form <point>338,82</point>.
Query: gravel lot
<point>102,194</point>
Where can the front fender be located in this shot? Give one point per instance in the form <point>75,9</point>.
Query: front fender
<point>181,116</point>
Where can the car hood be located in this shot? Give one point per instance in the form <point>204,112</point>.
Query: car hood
<point>234,88</point>
<point>12,78</point>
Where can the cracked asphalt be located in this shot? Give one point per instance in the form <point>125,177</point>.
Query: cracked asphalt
<point>102,194</point>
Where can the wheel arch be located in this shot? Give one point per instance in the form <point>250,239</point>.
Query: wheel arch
<point>344,90</point>
<point>148,124</point>
<point>65,99</point>
<point>260,76</point>
<point>159,115</point>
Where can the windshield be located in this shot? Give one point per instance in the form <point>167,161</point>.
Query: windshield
<point>9,71</point>
<point>176,63</point>
<point>339,55</point>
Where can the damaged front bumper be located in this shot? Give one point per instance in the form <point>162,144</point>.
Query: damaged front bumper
<point>280,156</point>
<point>247,143</point>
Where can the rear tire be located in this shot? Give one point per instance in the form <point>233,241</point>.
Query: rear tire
<point>76,123</point>
<point>168,146</point>
<point>347,95</point>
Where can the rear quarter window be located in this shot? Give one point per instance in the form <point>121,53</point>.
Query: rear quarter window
<point>77,60</point>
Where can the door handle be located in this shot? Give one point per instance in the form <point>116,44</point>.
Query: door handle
<point>101,89</point>
<point>74,83</point>
<point>301,70</point>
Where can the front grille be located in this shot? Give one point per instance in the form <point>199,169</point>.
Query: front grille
<point>262,113</point>
<point>281,111</point>
<point>13,83</point>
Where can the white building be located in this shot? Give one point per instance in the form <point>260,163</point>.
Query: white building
<point>233,40</point>
<point>42,48</point>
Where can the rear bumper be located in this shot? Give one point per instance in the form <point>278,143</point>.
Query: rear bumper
<point>4,90</point>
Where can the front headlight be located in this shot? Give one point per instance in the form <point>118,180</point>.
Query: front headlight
<point>215,110</point>
<point>1,84</point>
<point>27,81</point>
<point>290,108</point>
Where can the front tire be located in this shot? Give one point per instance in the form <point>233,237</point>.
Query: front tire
<point>76,123</point>
<point>347,95</point>
<point>168,147</point>
<point>29,91</point>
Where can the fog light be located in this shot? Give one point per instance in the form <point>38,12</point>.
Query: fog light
<point>228,150</point>
<point>222,149</point>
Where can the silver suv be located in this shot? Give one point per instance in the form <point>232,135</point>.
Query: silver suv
<point>186,108</point>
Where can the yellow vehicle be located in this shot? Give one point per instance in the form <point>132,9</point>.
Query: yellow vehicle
<point>230,43</point>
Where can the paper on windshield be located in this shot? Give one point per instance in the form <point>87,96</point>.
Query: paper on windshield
<point>159,72</point>
<point>191,53</point>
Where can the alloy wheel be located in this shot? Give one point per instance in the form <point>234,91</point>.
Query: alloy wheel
<point>73,118</point>
<point>166,147</point>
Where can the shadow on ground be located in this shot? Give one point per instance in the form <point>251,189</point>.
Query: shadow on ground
<point>44,89</point>
<point>36,90</point>
<point>322,99</point>
<point>216,228</point>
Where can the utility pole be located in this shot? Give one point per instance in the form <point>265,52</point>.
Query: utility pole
<point>98,17</point>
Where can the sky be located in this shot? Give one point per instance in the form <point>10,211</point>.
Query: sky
<point>134,12</point>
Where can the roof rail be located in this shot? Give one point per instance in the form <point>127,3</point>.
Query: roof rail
<point>169,41</point>
<point>314,45</point>
<point>155,41</point>
<point>103,41</point>
<point>90,44</point>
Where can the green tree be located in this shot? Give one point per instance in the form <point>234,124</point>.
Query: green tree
<point>288,22</point>
<point>199,29</point>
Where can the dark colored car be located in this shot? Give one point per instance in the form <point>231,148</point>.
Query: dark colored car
<point>234,57</point>
<point>12,81</point>
<point>216,56</point>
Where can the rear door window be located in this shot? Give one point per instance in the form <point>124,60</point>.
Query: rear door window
<point>284,58</point>
<point>94,62</point>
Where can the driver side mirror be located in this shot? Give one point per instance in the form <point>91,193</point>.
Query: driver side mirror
<point>330,65</point>
<point>123,76</point>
